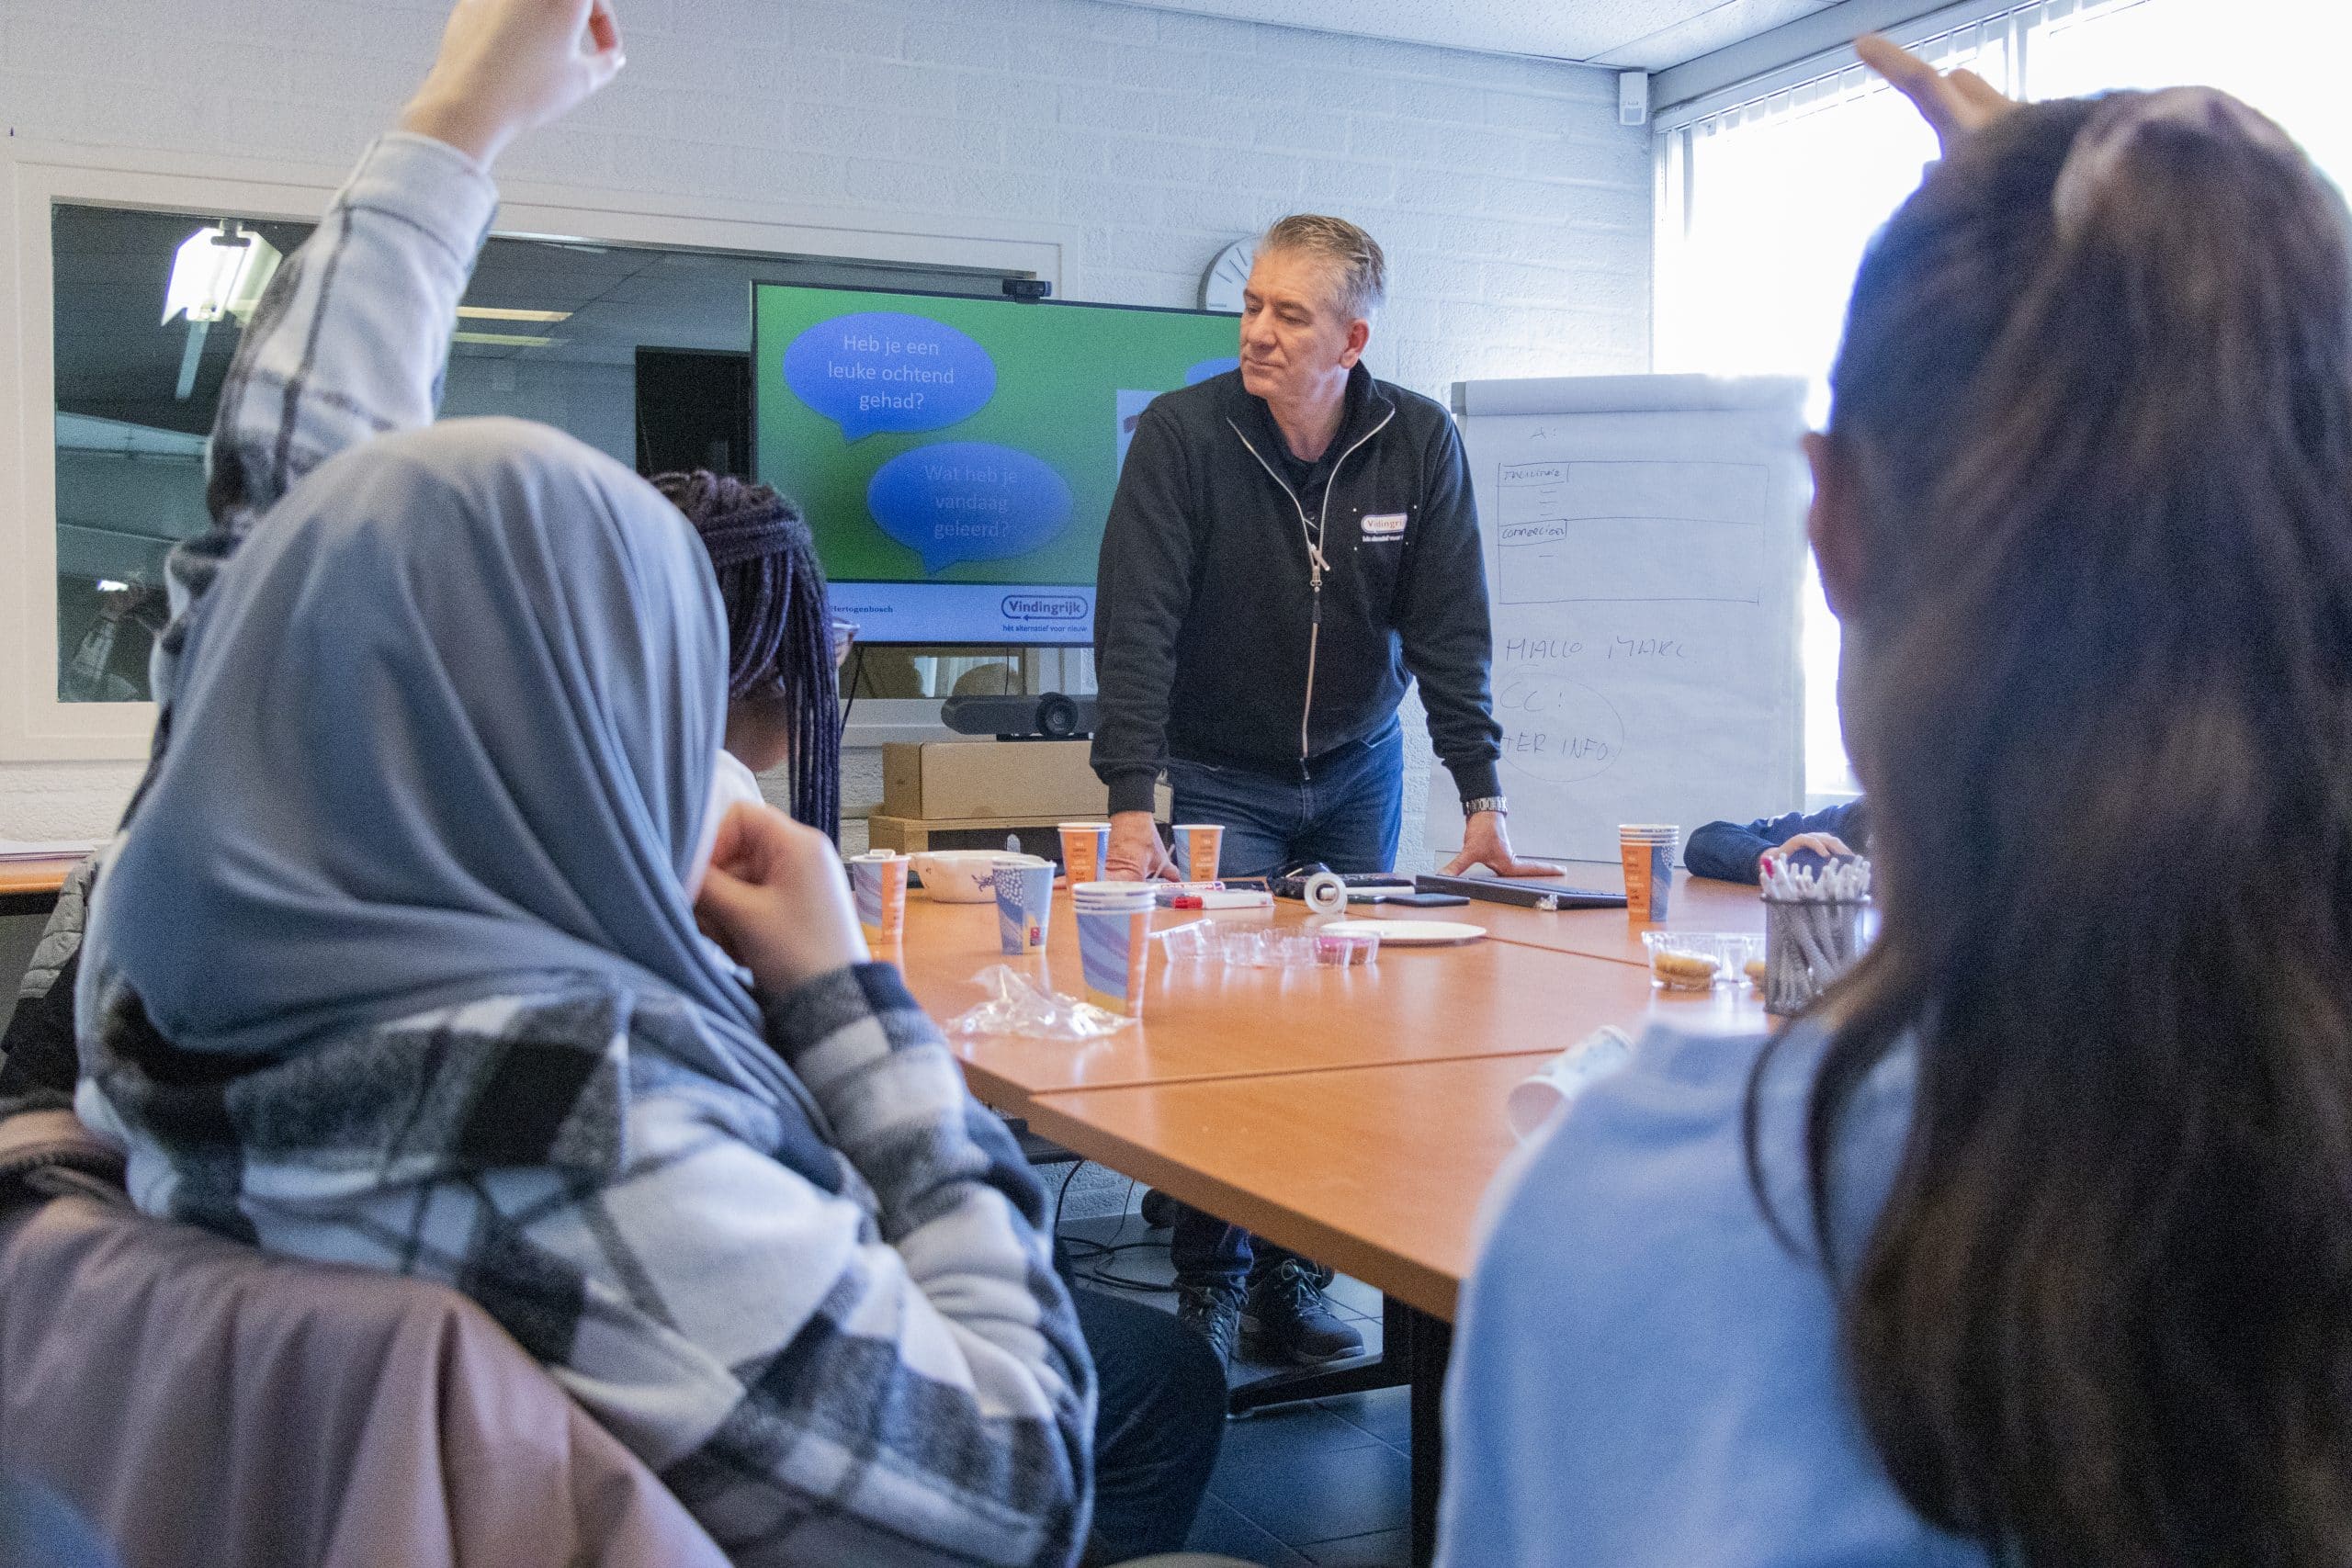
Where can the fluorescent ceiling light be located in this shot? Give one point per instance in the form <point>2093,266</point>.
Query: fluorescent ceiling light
<point>507,339</point>
<point>219,272</point>
<point>501,313</point>
<point>215,272</point>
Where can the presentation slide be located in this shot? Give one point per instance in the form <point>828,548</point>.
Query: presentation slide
<point>956,456</point>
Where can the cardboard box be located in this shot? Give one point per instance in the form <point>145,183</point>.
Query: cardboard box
<point>962,780</point>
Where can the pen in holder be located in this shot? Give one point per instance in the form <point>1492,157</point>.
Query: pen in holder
<point>1812,929</point>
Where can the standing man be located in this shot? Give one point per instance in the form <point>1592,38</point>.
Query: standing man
<point>1291,542</point>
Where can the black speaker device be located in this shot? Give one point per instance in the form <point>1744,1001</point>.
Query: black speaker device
<point>1050,717</point>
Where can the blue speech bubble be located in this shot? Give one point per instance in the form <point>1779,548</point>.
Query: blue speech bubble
<point>884,370</point>
<point>1208,367</point>
<point>968,501</point>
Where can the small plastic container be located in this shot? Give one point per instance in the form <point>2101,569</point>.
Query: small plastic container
<point>1699,961</point>
<point>1288,950</point>
<point>1190,943</point>
<point>1244,949</point>
<point>1347,950</point>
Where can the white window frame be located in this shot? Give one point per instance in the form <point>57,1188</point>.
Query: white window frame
<point>37,727</point>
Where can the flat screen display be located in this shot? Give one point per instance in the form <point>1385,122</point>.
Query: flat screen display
<point>956,456</point>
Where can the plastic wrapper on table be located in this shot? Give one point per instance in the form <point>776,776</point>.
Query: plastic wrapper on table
<point>1018,1005</point>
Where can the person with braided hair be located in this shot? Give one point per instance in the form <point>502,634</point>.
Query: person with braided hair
<point>1159,1410</point>
<point>783,700</point>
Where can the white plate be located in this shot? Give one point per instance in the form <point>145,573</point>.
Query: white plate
<point>1413,934</point>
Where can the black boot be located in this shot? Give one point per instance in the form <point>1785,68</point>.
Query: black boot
<point>1213,1311</point>
<point>1287,1318</point>
<point>1159,1210</point>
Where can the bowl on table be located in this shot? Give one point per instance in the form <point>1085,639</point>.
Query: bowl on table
<point>962,876</point>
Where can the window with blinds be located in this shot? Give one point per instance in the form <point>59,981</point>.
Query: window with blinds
<point>1768,191</point>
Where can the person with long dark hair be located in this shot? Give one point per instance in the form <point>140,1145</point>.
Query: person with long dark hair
<point>2031,1243</point>
<point>783,696</point>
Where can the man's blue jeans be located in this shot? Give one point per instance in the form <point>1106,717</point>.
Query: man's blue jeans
<point>1344,809</point>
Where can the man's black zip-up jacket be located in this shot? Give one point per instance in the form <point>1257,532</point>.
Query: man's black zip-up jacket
<point>1212,641</point>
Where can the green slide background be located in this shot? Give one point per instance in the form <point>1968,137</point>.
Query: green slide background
<point>1059,371</point>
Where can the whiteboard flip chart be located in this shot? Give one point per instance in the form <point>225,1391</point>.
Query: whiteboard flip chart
<point>1644,540</point>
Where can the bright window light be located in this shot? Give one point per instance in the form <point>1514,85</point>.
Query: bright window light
<point>1766,206</point>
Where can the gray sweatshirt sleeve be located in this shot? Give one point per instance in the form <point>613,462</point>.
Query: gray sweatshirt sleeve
<point>350,341</point>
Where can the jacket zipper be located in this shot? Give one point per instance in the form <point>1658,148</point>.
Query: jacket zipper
<point>1315,562</point>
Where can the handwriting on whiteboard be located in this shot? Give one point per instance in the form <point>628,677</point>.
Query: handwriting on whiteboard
<point>1562,649</point>
<point>1556,726</point>
<point>1630,532</point>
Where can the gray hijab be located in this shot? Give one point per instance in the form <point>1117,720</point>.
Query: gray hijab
<point>444,732</point>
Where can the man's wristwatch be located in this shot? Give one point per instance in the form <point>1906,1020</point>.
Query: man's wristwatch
<point>1494,803</point>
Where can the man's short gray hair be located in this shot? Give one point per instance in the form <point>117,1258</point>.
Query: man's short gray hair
<point>1361,271</point>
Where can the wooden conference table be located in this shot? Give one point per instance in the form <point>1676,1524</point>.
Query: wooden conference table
<point>1203,1020</point>
<point>30,886</point>
<point>1697,904</point>
<point>1356,1116</point>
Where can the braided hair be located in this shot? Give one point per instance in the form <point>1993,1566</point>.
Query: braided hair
<point>779,635</point>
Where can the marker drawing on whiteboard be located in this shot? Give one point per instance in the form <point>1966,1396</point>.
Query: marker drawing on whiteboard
<point>1619,531</point>
<point>1556,728</point>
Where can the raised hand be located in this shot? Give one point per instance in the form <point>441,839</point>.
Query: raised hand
<point>507,66</point>
<point>1955,104</point>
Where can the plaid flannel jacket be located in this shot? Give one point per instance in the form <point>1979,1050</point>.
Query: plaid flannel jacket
<point>838,1336</point>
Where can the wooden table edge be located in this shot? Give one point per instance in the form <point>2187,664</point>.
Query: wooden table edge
<point>35,878</point>
<point>1493,935</point>
<point>1417,1284</point>
<point>1001,1095</point>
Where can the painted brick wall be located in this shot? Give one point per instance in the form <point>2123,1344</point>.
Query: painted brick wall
<point>1514,210</point>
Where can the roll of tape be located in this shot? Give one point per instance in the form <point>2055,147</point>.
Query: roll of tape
<point>1326,894</point>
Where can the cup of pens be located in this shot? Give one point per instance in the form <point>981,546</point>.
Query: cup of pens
<point>1813,928</point>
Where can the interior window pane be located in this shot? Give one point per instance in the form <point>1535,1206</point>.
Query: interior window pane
<point>641,351</point>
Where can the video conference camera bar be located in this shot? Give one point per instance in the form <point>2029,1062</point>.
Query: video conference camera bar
<point>1049,718</point>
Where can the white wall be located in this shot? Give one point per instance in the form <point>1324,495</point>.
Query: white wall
<point>1514,209</point>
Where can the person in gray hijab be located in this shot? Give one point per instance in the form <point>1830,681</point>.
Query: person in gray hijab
<point>393,962</point>
<point>430,999</point>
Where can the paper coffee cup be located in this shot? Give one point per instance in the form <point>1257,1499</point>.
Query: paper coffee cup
<point>1024,901</point>
<point>878,879</point>
<point>1201,845</point>
<point>1086,851</point>
<point>1648,853</point>
<point>1111,946</point>
<point>1115,897</point>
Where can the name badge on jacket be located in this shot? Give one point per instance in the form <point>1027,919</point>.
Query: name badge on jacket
<point>1379,526</point>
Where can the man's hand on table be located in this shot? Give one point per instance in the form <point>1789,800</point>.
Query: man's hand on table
<point>1486,842</point>
<point>1136,854</point>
